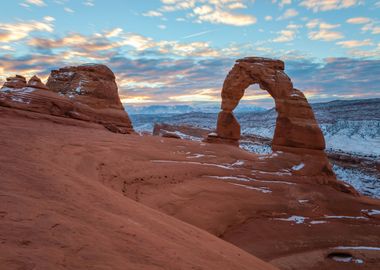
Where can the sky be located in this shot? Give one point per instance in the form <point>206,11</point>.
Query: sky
<point>180,51</point>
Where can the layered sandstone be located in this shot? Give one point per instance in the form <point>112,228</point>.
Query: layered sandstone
<point>126,202</point>
<point>296,126</point>
<point>87,92</point>
<point>15,82</point>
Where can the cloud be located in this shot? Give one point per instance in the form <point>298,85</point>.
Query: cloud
<point>287,34</point>
<point>355,43</point>
<point>68,10</point>
<point>152,13</point>
<point>170,80</point>
<point>16,31</point>
<point>214,11</point>
<point>317,23</point>
<point>282,3</point>
<point>337,77</point>
<point>223,17</point>
<point>268,18</point>
<point>325,35</point>
<point>113,33</point>
<point>372,27</point>
<point>89,3</point>
<point>289,13</point>
<point>136,44</point>
<point>322,31</point>
<point>325,5</point>
<point>358,20</point>
<point>39,3</point>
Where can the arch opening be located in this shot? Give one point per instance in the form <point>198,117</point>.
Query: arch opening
<point>296,126</point>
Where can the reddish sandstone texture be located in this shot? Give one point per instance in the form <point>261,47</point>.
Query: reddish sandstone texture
<point>75,196</point>
<point>296,126</point>
<point>87,92</point>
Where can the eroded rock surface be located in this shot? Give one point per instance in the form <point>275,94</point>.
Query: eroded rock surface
<point>91,84</point>
<point>87,92</point>
<point>296,126</point>
<point>17,81</point>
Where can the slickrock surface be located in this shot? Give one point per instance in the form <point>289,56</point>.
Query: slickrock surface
<point>57,210</point>
<point>74,196</point>
<point>296,126</point>
<point>87,92</point>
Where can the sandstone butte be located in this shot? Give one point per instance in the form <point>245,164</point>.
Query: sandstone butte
<point>74,195</point>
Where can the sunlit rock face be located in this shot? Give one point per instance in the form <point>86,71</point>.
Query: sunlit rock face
<point>87,92</point>
<point>92,84</point>
<point>15,82</point>
<point>296,126</point>
<point>36,82</point>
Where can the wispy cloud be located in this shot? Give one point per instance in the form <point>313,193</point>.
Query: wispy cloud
<point>28,3</point>
<point>16,31</point>
<point>355,43</point>
<point>289,13</point>
<point>325,5</point>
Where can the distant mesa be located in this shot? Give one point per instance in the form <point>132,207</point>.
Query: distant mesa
<point>296,126</point>
<point>86,92</point>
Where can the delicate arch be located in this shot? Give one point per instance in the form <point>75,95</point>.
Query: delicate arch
<point>295,125</point>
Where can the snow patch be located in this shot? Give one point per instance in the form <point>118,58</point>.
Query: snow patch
<point>357,248</point>
<point>196,156</point>
<point>364,183</point>
<point>298,167</point>
<point>303,201</point>
<point>372,212</point>
<point>261,189</point>
<point>248,179</point>
<point>194,163</point>
<point>296,219</point>
<point>345,217</point>
<point>314,222</point>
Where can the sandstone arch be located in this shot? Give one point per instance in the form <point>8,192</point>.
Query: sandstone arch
<point>296,126</point>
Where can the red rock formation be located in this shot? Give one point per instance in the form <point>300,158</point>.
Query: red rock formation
<point>86,92</point>
<point>36,82</point>
<point>15,82</point>
<point>296,126</point>
<point>90,84</point>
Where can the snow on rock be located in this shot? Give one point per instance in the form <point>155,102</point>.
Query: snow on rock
<point>372,212</point>
<point>357,248</point>
<point>255,148</point>
<point>247,179</point>
<point>298,167</point>
<point>315,222</point>
<point>364,183</point>
<point>228,167</point>
<point>295,219</point>
<point>261,189</point>
<point>345,217</point>
<point>303,201</point>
